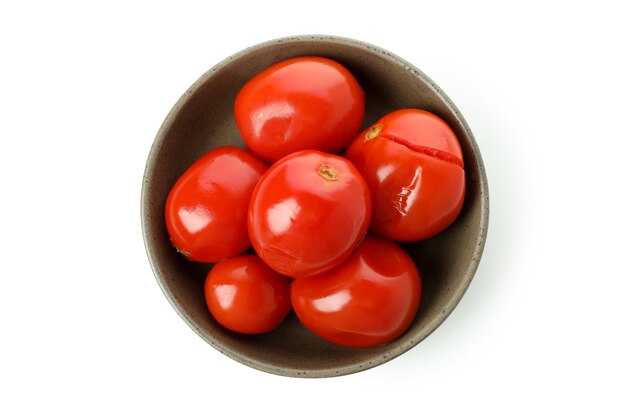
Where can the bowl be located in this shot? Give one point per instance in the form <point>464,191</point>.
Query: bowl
<point>203,119</point>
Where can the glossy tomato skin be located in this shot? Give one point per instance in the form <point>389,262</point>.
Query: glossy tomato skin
<point>206,210</point>
<point>308,213</point>
<point>300,103</point>
<point>369,300</point>
<point>413,165</point>
<point>246,296</point>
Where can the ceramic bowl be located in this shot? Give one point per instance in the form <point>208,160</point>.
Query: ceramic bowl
<point>203,119</point>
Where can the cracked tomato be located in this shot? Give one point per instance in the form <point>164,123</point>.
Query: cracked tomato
<point>413,165</point>
<point>308,212</point>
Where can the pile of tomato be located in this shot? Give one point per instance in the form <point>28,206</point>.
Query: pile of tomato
<point>321,205</point>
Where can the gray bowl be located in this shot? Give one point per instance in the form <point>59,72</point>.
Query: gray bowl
<point>203,119</point>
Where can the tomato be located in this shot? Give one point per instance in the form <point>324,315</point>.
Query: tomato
<point>300,103</point>
<point>206,210</point>
<point>246,296</point>
<point>308,213</point>
<point>369,300</point>
<point>413,165</point>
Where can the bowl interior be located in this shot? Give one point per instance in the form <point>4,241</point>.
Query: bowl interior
<point>203,119</point>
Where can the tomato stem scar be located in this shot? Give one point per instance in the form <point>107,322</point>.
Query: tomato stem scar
<point>373,132</point>
<point>328,173</point>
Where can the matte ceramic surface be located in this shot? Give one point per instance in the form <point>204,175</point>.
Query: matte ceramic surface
<point>203,119</point>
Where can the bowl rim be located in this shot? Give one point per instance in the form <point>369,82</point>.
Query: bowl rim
<point>455,296</point>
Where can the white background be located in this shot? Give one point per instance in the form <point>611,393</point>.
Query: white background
<point>85,328</point>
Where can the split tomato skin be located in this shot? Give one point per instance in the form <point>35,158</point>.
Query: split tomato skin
<point>246,296</point>
<point>413,165</point>
<point>297,104</point>
<point>206,210</point>
<point>308,212</point>
<point>369,300</point>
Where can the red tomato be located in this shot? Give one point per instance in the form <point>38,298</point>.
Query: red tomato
<point>308,213</point>
<point>368,300</point>
<point>301,103</point>
<point>206,210</point>
<point>246,296</point>
<point>413,165</point>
